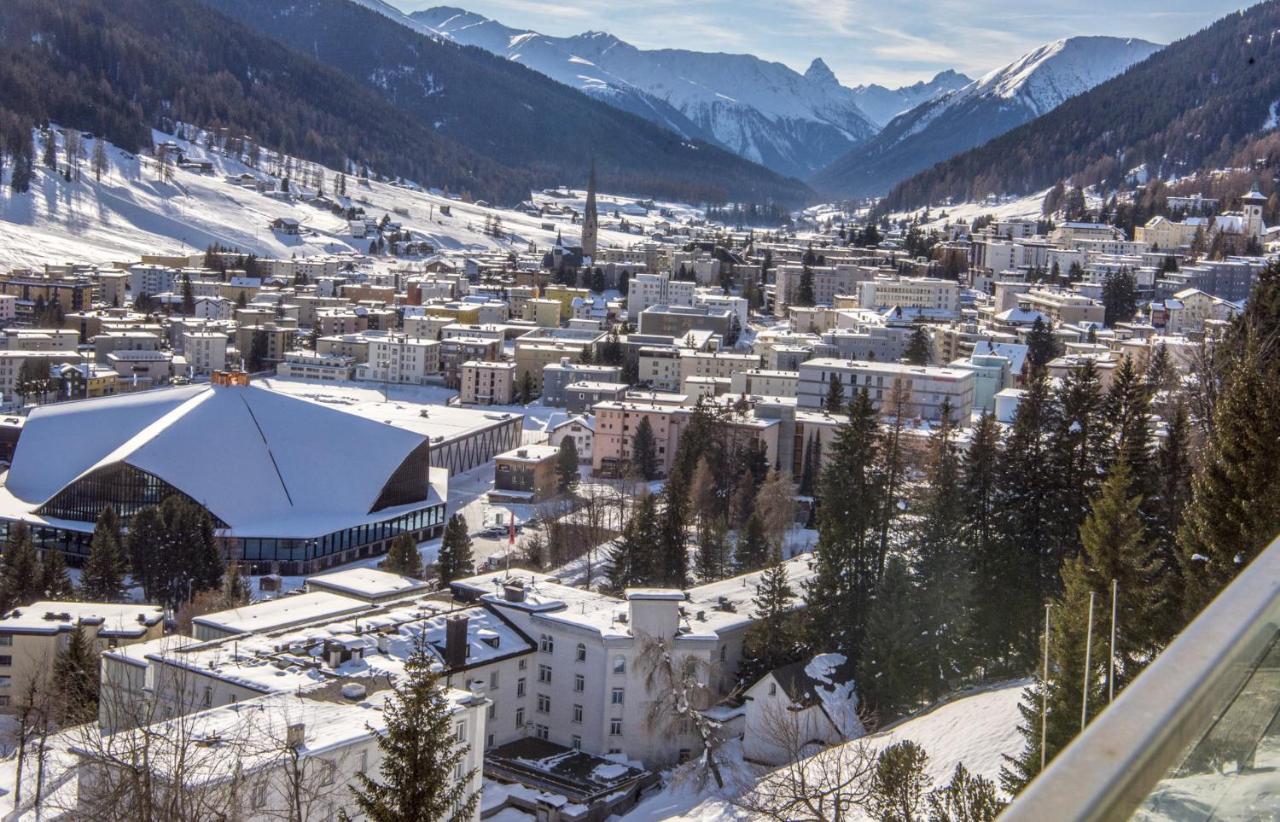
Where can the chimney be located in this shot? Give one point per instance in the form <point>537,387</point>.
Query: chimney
<point>296,735</point>
<point>455,642</point>
<point>513,592</point>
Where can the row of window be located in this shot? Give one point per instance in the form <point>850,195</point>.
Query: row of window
<point>255,549</point>
<point>547,645</point>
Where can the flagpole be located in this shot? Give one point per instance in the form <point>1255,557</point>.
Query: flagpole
<point>1088,648</point>
<point>1111,678</point>
<point>1044,691</point>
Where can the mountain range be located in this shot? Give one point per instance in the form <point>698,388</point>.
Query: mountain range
<point>1005,98</point>
<point>764,111</point>
<point>1208,101</point>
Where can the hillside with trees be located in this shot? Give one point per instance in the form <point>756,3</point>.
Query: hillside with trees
<point>124,68</point>
<point>1203,102</point>
<point>510,113</point>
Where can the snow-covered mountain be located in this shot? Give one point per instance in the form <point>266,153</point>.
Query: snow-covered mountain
<point>882,104</point>
<point>766,112</point>
<point>1000,100</point>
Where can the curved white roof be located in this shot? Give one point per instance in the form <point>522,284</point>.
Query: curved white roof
<point>254,457</point>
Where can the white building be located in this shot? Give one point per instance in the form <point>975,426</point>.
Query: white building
<point>206,351</point>
<point>921,389</point>
<point>645,290</point>
<point>400,358</point>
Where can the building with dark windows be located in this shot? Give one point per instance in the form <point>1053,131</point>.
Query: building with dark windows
<point>293,486</point>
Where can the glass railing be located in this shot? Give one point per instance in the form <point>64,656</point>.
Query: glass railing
<point>1196,736</point>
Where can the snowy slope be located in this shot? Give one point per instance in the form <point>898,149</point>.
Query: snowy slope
<point>978,730</point>
<point>132,212</point>
<point>882,104</point>
<point>793,123</point>
<point>997,102</point>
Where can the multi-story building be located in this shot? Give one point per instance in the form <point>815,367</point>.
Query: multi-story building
<point>905,390</point>
<point>616,423</point>
<point>678,320</point>
<point>151,280</point>
<point>556,376</point>
<point>526,474</point>
<point>454,351</point>
<point>644,290</point>
<point>205,351</point>
<point>312,365</point>
<point>932,294</point>
<point>1064,306</point>
<point>399,358</point>
<point>33,637</point>
<point>487,382</point>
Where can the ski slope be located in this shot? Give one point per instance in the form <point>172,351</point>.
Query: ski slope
<point>132,211</point>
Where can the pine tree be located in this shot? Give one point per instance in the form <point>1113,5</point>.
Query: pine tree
<point>773,639</point>
<point>713,550</point>
<point>644,451</point>
<point>143,545</point>
<point>891,677</point>
<point>811,464</point>
<point>752,549</point>
<point>918,347</point>
<point>1235,498</point>
<point>235,589</point>
<point>672,548</point>
<point>75,672</point>
<point>567,466</point>
<point>631,559</point>
<point>418,778</point>
<point>835,395</point>
<point>20,571</point>
<point>455,560</point>
<point>55,582</point>
<point>900,783</point>
<point>1080,449</point>
<point>1167,506</point>
<point>944,565</point>
<point>188,296</point>
<point>1028,543</point>
<point>966,798</point>
<point>403,557</point>
<point>102,579</point>
<point>804,292</point>
<point>526,389</point>
<point>1116,547</point>
<point>1128,409</point>
<point>847,572</point>
<point>1041,345</point>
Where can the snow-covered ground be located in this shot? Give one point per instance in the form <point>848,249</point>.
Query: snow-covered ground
<point>977,729</point>
<point>132,211</point>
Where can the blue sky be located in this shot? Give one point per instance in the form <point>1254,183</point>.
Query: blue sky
<point>863,41</point>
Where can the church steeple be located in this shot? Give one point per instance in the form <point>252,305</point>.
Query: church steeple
<point>590,220</point>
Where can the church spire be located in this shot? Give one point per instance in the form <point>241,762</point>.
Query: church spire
<point>590,220</point>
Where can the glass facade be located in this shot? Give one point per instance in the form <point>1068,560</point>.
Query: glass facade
<point>409,483</point>
<point>125,488</point>
<point>254,549</point>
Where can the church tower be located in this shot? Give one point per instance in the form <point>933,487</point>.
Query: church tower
<point>590,220</point>
<point>1252,204</point>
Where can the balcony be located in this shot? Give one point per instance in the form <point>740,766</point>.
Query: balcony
<point>1196,736</point>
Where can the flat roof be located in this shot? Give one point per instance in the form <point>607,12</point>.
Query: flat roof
<point>49,617</point>
<point>367,582</point>
<point>273,614</point>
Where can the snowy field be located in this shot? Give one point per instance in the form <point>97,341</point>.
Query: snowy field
<point>977,730</point>
<point>131,212</point>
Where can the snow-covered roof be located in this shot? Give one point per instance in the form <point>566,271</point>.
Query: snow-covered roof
<point>366,583</point>
<point>274,614</point>
<point>113,618</point>
<point>265,463</point>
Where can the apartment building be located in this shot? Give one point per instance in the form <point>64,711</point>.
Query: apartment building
<point>205,351</point>
<point>1063,307</point>
<point>399,358</point>
<point>932,294</point>
<point>921,390</point>
<point>487,383</point>
<point>557,376</point>
<point>616,422</point>
<point>312,365</point>
<point>645,290</point>
<point>32,637</point>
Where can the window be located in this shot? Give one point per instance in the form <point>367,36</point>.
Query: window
<point>546,643</point>
<point>489,742</point>
<point>519,717</point>
<point>577,742</point>
<point>493,710</point>
<point>6,661</point>
<point>581,655</point>
<point>460,731</point>
<point>4,701</point>
<point>364,762</point>
<point>544,704</point>
<point>615,727</point>
<point>208,696</point>
<point>6,640</point>
<point>523,664</point>
<point>773,689</point>
<point>260,795</point>
<point>617,696</point>
<point>619,664</point>
<point>579,683</point>
<point>544,673</point>
<point>493,680</point>
<point>577,714</point>
<point>541,731</point>
<point>520,687</point>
